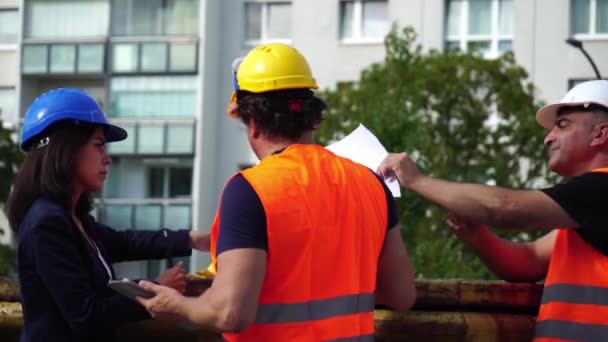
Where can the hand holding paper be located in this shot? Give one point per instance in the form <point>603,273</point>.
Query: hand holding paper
<point>362,146</point>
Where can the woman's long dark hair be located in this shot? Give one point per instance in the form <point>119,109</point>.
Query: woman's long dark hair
<point>49,172</point>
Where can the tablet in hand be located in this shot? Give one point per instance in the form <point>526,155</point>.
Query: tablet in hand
<point>130,289</point>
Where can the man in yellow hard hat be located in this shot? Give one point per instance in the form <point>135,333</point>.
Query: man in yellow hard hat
<point>304,243</point>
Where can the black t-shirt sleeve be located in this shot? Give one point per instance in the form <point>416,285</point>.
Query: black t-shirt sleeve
<point>583,198</point>
<point>391,204</point>
<point>242,217</point>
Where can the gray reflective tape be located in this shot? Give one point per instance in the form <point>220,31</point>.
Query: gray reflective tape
<point>580,294</point>
<point>361,338</point>
<point>315,309</point>
<point>570,330</point>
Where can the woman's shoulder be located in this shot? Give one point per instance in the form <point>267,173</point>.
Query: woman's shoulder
<point>41,211</point>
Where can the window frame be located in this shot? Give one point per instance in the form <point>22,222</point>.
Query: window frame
<point>264,23</point>
<point>11,46</point>
<point>591,33</point>
<point>139,48</point>
<point>76,45</point>
<point>357,24</point>
<point>464,37</point>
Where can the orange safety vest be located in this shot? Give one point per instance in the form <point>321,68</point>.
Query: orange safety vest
<point>326,219</point>
<point>575,298</point>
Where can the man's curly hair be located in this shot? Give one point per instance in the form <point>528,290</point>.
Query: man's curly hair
<point>282,113</point>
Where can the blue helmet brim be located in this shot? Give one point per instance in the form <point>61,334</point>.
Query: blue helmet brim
<point>114,133</point>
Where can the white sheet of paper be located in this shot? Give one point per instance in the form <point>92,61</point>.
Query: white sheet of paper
<point>362,146</point>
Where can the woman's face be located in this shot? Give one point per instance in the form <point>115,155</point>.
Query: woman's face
<point>92,163</point>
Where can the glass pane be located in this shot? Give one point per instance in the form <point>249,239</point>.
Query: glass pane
<point>580,16</point>
<point>118,217</point>
<point>154,268</point>
<point>505,46</point>
<point>156,182</point>
<point>34,59</point>
<point>153,57</point>
<point>8,105</point>
<point>124,57</point>
<point>181,17</point>
<point>601,17</point>
<point>148,216</point>
<point>481,47</point>
<point>63,58</point>
<point>180,182</point>
<point>150,139</point>
<point>8,27</point>
<point>505,17</point>
<point>183,57</point>
<point>375,19</point>
<point>166,96</point>
<point>454,17</point>
<point>452,45</point>
<point>53,19</point>
<point>137,17</point>
<point>90,58</point>
<point>180,139</point>
<point>126,146</point>
<point>253,21</point>
<point>279,21</point>
<point>111,188</point>
<point>346,19</point>
<point>177,217</point>
<point>480,16</point>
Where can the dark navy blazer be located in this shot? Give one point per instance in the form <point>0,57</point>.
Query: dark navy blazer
<point>64,289</point>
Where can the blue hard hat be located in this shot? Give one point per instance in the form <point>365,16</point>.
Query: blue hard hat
<point>65,104</point>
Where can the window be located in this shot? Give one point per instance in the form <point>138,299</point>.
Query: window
<point>172,137</point>
<point>169,182</point>
<point>154,57</point>
<point>154,17</point>
<point>363,21</point>
<point>83,58</point>
<point>589,17</point>
<point>153,97</point>
<point>8,105</point>
<point>267,21</point>
<point>480,26</point>
<point>60,18</point>
<point>8,26</point>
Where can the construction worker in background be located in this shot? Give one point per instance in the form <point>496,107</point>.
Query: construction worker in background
<point>573,255</point>
<point>300,255</point>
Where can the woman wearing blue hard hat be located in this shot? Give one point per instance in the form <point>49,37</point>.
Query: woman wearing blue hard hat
<point>65,257</point>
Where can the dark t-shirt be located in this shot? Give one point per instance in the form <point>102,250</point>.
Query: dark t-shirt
<point>584,199</point>
<point>243,220</point>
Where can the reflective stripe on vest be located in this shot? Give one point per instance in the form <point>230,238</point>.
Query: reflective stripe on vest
<point>578,294</point>
<point>315,310</point>
<point>565,330</point>
<point>362,338</point>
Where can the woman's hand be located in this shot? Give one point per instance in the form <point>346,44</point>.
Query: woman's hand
<point>200,241</point>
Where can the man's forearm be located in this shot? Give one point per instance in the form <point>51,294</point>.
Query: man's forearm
<point>489,205</point>
<point>511,261</point>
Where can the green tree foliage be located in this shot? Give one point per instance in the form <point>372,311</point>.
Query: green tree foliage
<point>437,106</point>
<point>10,158</point>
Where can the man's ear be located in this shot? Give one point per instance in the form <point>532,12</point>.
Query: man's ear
<point>252,129</point>
<point>600,134</point>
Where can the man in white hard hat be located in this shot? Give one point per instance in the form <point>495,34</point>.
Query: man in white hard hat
<point>573,255</point>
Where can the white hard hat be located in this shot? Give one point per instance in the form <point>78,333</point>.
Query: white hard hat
<point>584,94</point>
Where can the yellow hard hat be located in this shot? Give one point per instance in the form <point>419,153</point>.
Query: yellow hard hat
<point>270,67</point>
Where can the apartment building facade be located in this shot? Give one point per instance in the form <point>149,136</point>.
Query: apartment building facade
<point>162,70</point>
